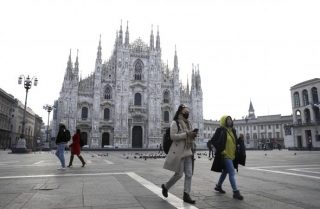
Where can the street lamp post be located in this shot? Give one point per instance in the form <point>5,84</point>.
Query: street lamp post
<point>48,108</point>
<point>27,81</point>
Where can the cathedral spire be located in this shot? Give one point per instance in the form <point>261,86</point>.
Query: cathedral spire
<point>251,111</point>
<point>76,64</point>
<point>120,35</point>
<point>98,60</point>
<point>68,74</point>
<point>193,82</point>
<point>158,40</point>
<point>127,36</point>
<point>198,78</point>
<point>188,84</point>
<point>175,58</point>
<point>151,39</point>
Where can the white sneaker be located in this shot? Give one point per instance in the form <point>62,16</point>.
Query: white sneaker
<point>61,168</point>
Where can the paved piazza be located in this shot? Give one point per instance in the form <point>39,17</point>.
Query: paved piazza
<point>271,179</point>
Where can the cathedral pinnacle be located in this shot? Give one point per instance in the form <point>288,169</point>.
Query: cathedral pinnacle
<point>98,60</point>
<point>158,40</point>
<point>76,64</point>
<point>120,35</point>
<point>151,39</point>
<point>175,58</point>
<point>127,36</point>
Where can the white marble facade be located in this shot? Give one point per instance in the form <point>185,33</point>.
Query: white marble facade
<point>129,99</point>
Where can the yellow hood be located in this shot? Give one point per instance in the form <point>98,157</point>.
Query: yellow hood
<point>223,121</point>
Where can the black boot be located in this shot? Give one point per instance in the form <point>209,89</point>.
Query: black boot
<point>71,159</point>
<point>164,190</point>
<point>187,198</point>
<point>237,195</point>
<point>82,160</point>
<point>219,189</point>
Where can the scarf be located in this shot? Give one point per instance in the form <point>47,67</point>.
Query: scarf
<point>186,126</point>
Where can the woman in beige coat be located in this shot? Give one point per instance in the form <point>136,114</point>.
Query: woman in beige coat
<point>180,155</point>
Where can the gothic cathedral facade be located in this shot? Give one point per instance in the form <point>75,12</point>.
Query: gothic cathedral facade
<point>130,99</point>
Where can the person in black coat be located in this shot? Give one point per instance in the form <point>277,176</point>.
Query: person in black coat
<point>230,151</point>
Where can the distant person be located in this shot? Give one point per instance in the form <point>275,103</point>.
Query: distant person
<point>61,141</point>
<point>75,148</point>
<point>230,151</point>
<point>180,156</point>
<point>310,144</point>
<point>210,147</point>
<point>160,148</point>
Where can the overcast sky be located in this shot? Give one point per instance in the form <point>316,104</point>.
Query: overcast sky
<point>251,49</point>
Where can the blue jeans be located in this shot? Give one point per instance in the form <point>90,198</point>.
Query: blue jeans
<point>60,154</point>
<point>229,169</point>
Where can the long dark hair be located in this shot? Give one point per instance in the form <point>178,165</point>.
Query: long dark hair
<point>178,111</point>
<point>78,131</point>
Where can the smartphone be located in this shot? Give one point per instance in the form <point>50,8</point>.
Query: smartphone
<point>196,130</point>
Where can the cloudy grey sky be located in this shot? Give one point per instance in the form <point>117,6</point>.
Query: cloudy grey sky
<point>246,49</point>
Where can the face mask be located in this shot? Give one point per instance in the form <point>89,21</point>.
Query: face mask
<point>185,115</point>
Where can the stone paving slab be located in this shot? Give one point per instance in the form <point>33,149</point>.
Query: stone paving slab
<point>105,183</point>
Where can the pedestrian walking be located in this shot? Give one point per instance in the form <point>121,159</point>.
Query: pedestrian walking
<point>160,149</point>
<point>180,156</point>
<point>230,151</point>
<point>210,147</point>
<point>75,148</point>
<point>61,140</point>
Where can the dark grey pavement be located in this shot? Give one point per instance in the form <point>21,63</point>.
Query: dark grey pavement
<point>272,179</point>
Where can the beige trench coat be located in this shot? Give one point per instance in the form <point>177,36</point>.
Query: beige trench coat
<point>177,150</point>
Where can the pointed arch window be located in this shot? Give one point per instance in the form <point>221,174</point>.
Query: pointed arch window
<point>106,114</point>
<point>138,70</point>
<point>107,93</point>
<point>137,99</point>
<point>315,97</point>
<point>166,97</point>
<point>166,116</point>
<point>305,97</point>
<point>296,99</point>
<point>84,113</point>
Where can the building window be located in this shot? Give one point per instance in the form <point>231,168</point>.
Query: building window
<point>138,70</point>
<point>277,126</point>
<point>240,128</point>
<point>278,135</point>
<point>106,114</point>
<point>166,116</point>
<point>254,127</point>
<point>269,135</point>
<point>248,138</point>
<point>247,128</point>
<point>166,97</point>
<point>107,93</point>
<point>298,116</point>
<point>305,97</point>
<point>307,115</point>
<point>315,97</point>
<point>137,99</point>
<point>261,127</point>
<point>296,99</point>
<point>269,126</point>
<point>84,113</point>
<point>255,136</point>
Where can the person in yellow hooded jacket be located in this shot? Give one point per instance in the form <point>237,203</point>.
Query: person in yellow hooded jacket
<point>230,151</point>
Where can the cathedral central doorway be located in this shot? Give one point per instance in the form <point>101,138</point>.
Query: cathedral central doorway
<point>105,139</point>
<point>137,137</point>
<point>84,137</point>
